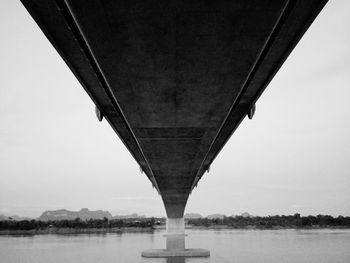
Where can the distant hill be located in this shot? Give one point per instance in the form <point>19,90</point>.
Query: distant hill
<point>193,216</point>
<point>214,216</point>
<point>128,216</point>
<point>14,218</point>
<point>83,214</point>
<point>246,215</point>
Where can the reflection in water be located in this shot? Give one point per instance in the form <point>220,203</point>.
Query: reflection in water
<point>175,260</point>
<point>244,246</point>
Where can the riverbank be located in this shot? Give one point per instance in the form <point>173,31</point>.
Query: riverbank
<point>76,231</point>
<point>252,227</point>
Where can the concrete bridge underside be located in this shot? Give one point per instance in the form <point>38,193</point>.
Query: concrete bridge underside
<point>174,78</point>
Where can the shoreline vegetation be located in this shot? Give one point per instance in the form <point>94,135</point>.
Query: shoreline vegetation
<point>103,226</point>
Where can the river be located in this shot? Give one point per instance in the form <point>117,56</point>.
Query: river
<point>241,246</point>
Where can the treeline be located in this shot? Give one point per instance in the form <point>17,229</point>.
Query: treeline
<point>277,221</point>
<point>269,222</point>
<point>77,224</point>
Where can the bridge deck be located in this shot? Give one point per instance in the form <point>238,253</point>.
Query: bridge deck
<point>174,78</point>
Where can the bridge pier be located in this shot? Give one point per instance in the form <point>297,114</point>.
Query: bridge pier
<point>175,234</point>
<point>175,242</point>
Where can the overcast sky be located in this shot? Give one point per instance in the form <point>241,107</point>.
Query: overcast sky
<point>294,156</point>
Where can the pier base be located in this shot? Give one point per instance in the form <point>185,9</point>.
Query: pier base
<point>164,253</point>
<point>175,243</point>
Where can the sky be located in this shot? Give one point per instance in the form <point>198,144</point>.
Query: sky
<point>293,157</point>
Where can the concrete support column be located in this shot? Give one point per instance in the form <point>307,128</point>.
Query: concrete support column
<point>175,225</point>
<point>175,236</point>
<point>175,242</point>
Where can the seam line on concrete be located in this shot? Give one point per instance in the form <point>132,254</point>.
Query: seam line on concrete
<point>88,52</point>
<point>277,65</point>
<point>265,49</point>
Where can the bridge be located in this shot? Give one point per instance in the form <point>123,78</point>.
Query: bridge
<point>174,78</point>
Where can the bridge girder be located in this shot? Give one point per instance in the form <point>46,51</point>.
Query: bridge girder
<point>174,78</point>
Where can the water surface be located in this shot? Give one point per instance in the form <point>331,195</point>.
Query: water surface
<point>243,246</point>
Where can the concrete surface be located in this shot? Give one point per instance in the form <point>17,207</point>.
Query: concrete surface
<point>161,253</point>
<point>174,78</point>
